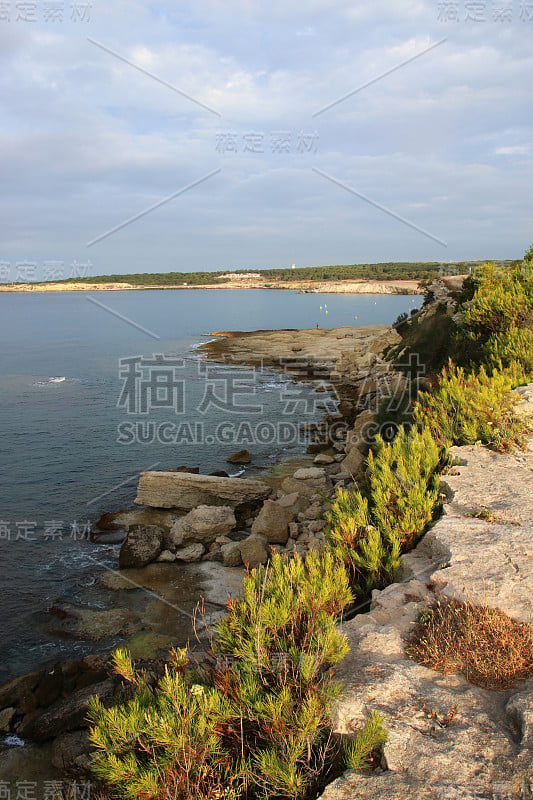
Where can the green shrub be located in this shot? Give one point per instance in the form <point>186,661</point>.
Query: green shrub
<point>404,485</point>
<point>512,349</point>
<point>259,726</point>
<point>165,743</point>
<point>283,633</point>
<point>495,307</point>
<point>372,735</point>
<point>368,530</point>
<point>471,408</point>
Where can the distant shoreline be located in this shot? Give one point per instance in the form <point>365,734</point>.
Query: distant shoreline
<point>399,287</point>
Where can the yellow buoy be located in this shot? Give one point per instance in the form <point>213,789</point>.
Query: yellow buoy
<point>321,308</point>
<point>355,317</point>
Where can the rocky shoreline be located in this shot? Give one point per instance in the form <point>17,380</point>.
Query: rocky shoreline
<point>486,751</point>
<point>222,522</point>
<point>219,519</point>
<point>403,287</point>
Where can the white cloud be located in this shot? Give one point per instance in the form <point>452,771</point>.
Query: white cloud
<point>515,150</point>
<point>88,141</point>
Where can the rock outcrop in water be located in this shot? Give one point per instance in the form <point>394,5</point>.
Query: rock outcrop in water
<point>183,491</point>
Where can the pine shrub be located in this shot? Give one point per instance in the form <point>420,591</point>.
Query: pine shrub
<point>470,408</point>
<point>257,724</point>
<point>512,350</point>
<point>164,743</point>
<point>404,485</point>
<point>497,325</point>
<point>283,636</point>
<point>368,530</point>
<point>496,305</point>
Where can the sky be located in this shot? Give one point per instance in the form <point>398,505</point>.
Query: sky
<point>159,136</point>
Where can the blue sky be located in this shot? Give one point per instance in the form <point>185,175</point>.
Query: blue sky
<point>432,161</point>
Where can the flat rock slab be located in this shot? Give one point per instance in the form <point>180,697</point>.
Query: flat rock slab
<point>486,750</point>
<point>184,491</point>
<point>326,345</point>
<point>490,562</point>
<point>92,624</point>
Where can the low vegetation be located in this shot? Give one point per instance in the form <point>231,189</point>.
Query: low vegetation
<point>421,271</point>
<point>369,528</point>
<point>473,408</point>
<point>489,648</point>
<point>257,722</point>
<point>254,722</point>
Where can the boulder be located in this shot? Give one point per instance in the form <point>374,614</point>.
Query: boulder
<point>67,714</point>
<point>273,520</point>
<point>185,491</point>
<point>190,554</point>
<point>323,459</point>
<point>11,692</point>
<point>353,463</point>
<point>50,687</point>
<point>141,546</point>
<point>294,530</point>
<point>313,512</point>
<point>241,457</point>
<point>345,408</point>
<point>317,447</point>
<point>92,623</point>
<point>203,524</point>
<point>6,718</point>
<point>71,750</point>
<point>360,433</point>
<point>166,557</point>
<point>307,482</point>
<point>231,554</point>
<point>124,520</point>
<point>309,473</point>
<point>253,551</point>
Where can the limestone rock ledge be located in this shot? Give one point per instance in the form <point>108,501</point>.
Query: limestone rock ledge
<point>185,491</point>
<point>487,750</point>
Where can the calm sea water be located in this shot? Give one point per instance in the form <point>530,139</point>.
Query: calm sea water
<point>65,458</point>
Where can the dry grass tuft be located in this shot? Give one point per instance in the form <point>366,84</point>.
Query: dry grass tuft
<point>488,647</point>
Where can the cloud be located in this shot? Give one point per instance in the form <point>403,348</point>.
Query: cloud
<point>88,141</point>
<point>515,150</point>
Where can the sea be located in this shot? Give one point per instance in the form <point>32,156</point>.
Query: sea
<point>98,387</point>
